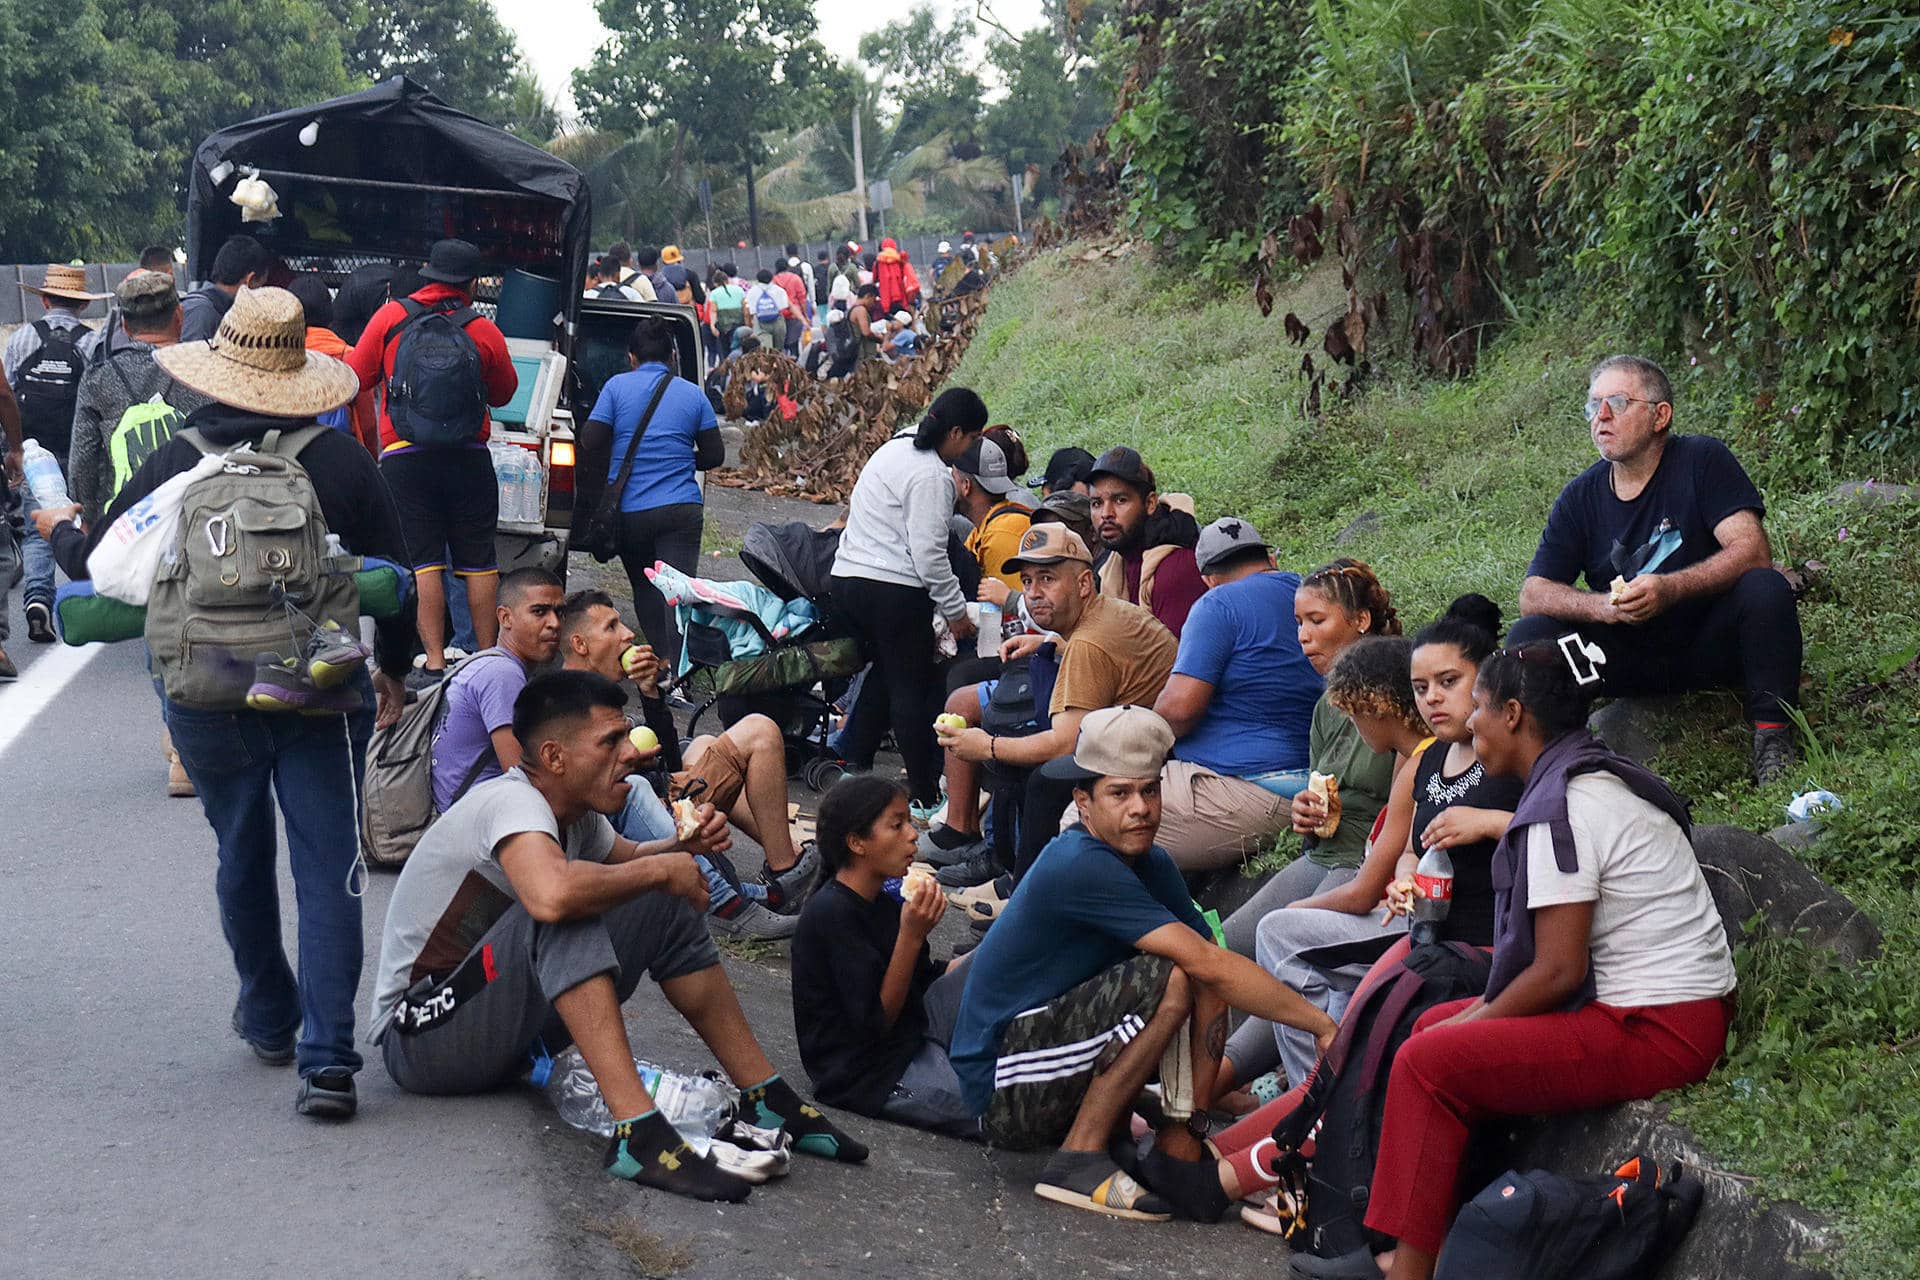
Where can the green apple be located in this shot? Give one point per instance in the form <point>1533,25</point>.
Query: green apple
<point>951,722</point>
<point>644,740</point>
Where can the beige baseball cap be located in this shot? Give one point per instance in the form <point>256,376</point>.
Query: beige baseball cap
<point>1115,742</point>
<point>1048,544</point>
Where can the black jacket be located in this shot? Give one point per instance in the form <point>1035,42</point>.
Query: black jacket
<point>353,498</point>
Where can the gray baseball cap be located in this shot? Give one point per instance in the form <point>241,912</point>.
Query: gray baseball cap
<point>1115,742</point>
<point>1224,538</point>
<point>986,462</point>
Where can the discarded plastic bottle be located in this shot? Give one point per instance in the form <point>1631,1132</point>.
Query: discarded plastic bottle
<point>986,642</point>
<point>696,1105</point>
<point>1434,878</point>
<point>44,478</point>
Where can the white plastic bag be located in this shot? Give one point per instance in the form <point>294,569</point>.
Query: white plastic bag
<point>128,556</point>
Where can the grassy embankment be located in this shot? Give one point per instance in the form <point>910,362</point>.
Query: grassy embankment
<point>1818,1099</point>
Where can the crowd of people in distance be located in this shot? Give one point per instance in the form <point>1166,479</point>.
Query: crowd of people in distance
<point>1153,700</point>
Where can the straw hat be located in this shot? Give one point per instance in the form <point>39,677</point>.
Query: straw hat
<point>68,282</point>
<point>259,360</point>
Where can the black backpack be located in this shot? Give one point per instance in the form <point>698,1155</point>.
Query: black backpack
<point>48,384</point>
<point>436,393</point>
<point>1348,1093</point>
<point>1540,1225</point>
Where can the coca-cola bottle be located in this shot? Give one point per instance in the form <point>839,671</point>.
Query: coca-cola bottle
<point>1434,879</point>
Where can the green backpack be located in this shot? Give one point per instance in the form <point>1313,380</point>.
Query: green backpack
<point>249,573</point>
<point>142,429</point>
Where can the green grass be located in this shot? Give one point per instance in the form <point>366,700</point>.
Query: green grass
<point>1818,1097</point>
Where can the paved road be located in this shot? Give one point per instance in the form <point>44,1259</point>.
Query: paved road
<point>139,1137</point>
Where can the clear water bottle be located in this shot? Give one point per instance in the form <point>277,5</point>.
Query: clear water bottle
<point>44,478</point>
<point>986,639</point>
<point>696,1105</point>
<point>1434,878</point>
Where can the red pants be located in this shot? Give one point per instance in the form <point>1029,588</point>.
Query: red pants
<point>1447,1079</point>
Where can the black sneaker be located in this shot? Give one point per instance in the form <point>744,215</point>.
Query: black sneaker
<point>979,869</point>
<point>1774,753</point>
<point>39,623</point>
<point>334,656</point>
<point>788,891</point>
<point>944,847</point>
<point>327,1094</point>
<point>275,1053</point>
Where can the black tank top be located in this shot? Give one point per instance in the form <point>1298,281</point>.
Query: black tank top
<point>1471,917</point>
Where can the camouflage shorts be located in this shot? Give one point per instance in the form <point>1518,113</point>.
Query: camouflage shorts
<point>1049,1055</point>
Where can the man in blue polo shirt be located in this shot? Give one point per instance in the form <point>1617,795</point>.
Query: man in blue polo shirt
<point>1240,702</point>
<point>1089,979</point>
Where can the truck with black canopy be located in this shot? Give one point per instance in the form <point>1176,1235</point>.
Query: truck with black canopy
<point>374,178</point>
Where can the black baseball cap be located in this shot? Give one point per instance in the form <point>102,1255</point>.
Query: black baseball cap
<point>1126,464</point>
<point>1066,467</point>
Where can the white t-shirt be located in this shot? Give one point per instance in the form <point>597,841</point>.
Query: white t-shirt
<point>1657,937</point>
<point>453,888</point>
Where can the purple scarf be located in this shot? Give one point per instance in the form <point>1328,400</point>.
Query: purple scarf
<point>1545,800</point>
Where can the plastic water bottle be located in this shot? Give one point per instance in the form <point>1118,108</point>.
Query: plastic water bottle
<point>986,639</point>
<point>1434,878</point>
<point>48,485</point>
<point>696,1105</point>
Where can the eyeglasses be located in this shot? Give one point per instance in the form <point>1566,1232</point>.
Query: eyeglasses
<point>1617,402</point>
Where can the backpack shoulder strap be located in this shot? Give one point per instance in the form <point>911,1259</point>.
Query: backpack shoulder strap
<point>193,437</point>
<point>289,442</point>
<point>113,362</point>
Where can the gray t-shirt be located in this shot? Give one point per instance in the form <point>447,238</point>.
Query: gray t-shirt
<point>453,888</point>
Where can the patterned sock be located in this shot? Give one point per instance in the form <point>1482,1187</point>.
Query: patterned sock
<point>651,1152</point>
<point>776,1106</point>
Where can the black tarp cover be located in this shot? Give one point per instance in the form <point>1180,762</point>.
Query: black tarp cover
<point>394,132</point>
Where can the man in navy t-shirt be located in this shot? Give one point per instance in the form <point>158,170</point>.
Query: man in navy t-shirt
<point>1240,702</point>
<point>1088,981</point>
<point>1680,591</point>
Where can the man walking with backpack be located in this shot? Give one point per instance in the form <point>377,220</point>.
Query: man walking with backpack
<point>43,366</point>
<point>439,364</point>
<point>768,307</point>
<point>243,744</point>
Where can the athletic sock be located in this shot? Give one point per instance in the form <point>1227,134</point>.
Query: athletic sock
<point>1192,1187</point>
<point>776,1106</point>
<point>651,1152</point>
<point>1254,1173</point>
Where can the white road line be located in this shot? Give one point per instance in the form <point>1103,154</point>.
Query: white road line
<point>36,689</point>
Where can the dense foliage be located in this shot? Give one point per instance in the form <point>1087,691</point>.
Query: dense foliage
<point>1737,176</point>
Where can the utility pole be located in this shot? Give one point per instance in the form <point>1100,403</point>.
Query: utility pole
<point>1019,181</point>
<point>860,173</point>
<point>753,203</point>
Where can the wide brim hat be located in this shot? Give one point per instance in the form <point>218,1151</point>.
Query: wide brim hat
<point>66,281</point>
<point>258,360</point>
<point>451,262</point>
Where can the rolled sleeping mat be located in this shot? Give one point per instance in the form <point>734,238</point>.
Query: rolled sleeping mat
<point>84,617</point>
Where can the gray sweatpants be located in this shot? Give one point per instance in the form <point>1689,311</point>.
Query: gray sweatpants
<point>1323,955</point>
<point>489,1039</point>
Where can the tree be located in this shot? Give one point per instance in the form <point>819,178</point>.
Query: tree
<point>1046,106</point>
<point>722,71</point>
<point>924,74</point>
<point>179,69</point>
<point>457,48</point>
<point>65,159</point>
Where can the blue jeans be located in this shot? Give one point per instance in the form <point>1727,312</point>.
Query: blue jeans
<point>463,637</point>
<point>645,818</point>
<point>239,762</point>
<point>37,558</point>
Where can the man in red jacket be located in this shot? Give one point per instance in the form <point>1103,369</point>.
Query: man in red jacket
<point>446,494</point>
<point>889,272</point>
<point>796,289</point>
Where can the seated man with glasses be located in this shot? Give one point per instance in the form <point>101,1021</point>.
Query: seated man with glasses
<point>1681,591</point>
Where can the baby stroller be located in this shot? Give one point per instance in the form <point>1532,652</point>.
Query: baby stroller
<point>784,678</point>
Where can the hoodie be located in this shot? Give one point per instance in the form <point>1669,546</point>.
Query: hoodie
<point>1160,575</point>
<point>889,272</point>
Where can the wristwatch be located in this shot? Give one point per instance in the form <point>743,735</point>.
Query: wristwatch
<point>1200,1124</point>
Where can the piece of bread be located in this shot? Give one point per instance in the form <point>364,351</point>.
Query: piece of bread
<point>916,882</point>
<point>686,819</point>
<point>1327,787</point>
<point>1614,589</point>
